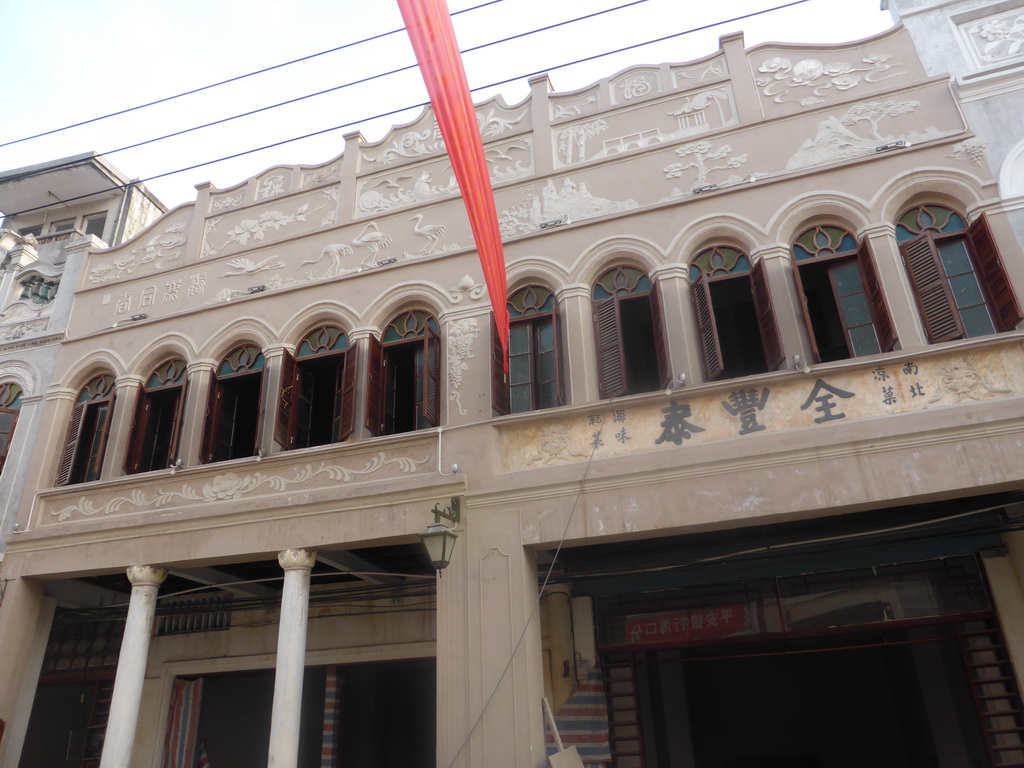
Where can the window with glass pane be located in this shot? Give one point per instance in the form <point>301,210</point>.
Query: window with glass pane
<point>235,406</point>
<point>961,287</point>
<point>404,378</point>
<point>532,354</point>
<point>844,308</point>
<point>10,407</point>
<point>157,426</point>
<point>84,446</point>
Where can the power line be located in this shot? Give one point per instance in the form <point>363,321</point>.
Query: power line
<point>271,68</point>
<point>332,89</point>
<point>400,109</point>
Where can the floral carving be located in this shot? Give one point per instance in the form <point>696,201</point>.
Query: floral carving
<point>256,228</point>
<point>999,38</point>
<point>461,335</point>
<point>232,201</point>
<point>231,485</point>
<point>970,149</point>
<point>818,77</point>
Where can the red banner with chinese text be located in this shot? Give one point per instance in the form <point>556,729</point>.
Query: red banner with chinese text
<point>433,39</point>
<point>683,626</point>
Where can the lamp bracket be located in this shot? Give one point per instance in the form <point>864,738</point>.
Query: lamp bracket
<point>451,512</point>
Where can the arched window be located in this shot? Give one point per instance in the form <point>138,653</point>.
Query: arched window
<point>10,407</point>
<point>629,334</point>
<point>156,429</point>
<point>404,381</point>
<point>318,389</point>
<point>844,306</point>
<point>736,325</point>
<point>961,287</point>
<point>82,458</point>
<point>235,407</point>
<point>534,364</point>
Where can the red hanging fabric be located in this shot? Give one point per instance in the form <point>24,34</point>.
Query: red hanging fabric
<point>433,39</point>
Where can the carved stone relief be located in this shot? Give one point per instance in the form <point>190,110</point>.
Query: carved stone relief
<point>808,79</point>
<point>564,202</point>
<point>272,186</point>
<point>461,336</point>
<point>575,105</point>
<point>699,155</point>
<point>230,486</point>
<point>966,378</point>
<point>997,38</point>
<point>970,149</point>
<point>684,76</point>
<point>467,285</point>
<point>636,84</point>
<point>224,202</point>
<point>254,228</point>
<point>158,251</point>
<point>313,178</point>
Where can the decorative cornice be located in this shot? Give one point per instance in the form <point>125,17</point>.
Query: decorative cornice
<point>41,341</point>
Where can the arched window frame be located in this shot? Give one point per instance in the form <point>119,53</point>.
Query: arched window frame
<point>156,427</point>
<point>829,256</point>
<point>534,379</point>
<point>624,300</point>
<point>319,378</point>
<point>10,409</point>
<point>722,263</point>
<point>410,343</point>
<point>86,441</point>
<point>933,239</point>
<point>235,407</point>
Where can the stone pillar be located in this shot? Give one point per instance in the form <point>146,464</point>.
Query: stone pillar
<point>127,390</point>
<point>679,331</point>
<point>25,619</point>
<point>789,313</point>
<point>272,369</point>
<point>193,424</point>
<point>131,666</point>
<point>579,356</point>
<point>466,376</point>
<point>899,295</point>
<point>291,658</point>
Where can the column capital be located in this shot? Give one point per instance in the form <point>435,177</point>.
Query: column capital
<point>297,559</point>
<point>146,575</point>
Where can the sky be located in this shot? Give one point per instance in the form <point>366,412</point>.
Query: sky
<point>69,61</point>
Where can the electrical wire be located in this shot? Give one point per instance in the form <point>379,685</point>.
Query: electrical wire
<point>271,68</point>
<point>390,112</point>
<point>332,89</point>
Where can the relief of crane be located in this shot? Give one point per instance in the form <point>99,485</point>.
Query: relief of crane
<point>433,233</point>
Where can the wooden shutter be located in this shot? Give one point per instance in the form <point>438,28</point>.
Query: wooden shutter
<point>658,326</point>
<point>938,312</point>
<point>67,456</point>
<point>611,357</point>
<point>345,396</point>
<point>774,355</point>
<point>261,407</point>
<point>880,316</point>
<point>500,397</point>
<point>140,422</point>
<point>284,428</point>
<point>707,333</point>
<point>375,382</point>
<point>815,354</point>
<point>105,432</point>
<point>556,330</point>
<point>432,377</point>
<point>212,421</point>
<point>1002,300</point>
<point>174,446</point>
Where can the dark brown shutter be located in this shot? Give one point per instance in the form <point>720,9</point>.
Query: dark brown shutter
<point>432,377</point>
<point>212,421</point>
<point>67,456</point>
<point>261,408</point>
<point>556,330</point>
<point>774,354</point>
<point>179,421</point>
<point>140,422</point>
<point>938,312</point>
<point>880,316</point>
<point>375,381</point>
<point>345,396</point>
<point>611,358</point>
<point>500,398</point>
<point>105,431</point>
<point>1002,300</point>
<point>284,428</point>
<point>815,355</point>
<point>707,333</point>
<point>658,326</point>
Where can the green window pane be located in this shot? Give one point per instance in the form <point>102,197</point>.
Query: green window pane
<point>546,337</point>
<point>520,400</point>
<point>519,340</point>
<point>546,364</point>
<point>6,419</point>
<point>519,370</point>
<point>977,321</point>
<point>847,278</point>
<point>864,341</point>
<point>856,310</point>
<point>548,395</point>
<point>966,291</point>
<point>954,258</point>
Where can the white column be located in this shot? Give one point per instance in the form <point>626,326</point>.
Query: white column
<point>291,658</point>
<point>131,666</point>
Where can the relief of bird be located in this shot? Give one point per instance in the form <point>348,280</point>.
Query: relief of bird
<point>248,266</point>
<point>433,232</point>
<point>337,251</point>
<point>373,239</point>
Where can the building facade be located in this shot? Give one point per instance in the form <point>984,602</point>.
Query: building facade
<point>757,454</point>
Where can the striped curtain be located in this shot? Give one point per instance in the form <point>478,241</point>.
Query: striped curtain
<point>183,724</point>
<point>329,745</point>
<point>583,723</point>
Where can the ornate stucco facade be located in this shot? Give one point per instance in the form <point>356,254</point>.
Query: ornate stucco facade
<point>612,531</point>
